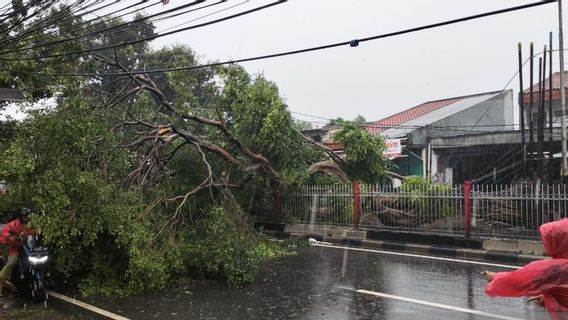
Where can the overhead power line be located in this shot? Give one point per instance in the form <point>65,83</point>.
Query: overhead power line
<point>27,34</point>
<point>145,39</point>
<point>120,27</point>
<point>126,24</point>
<point>207,15</point>
<point>26,17</point>
<point>352,43</point>
<point>65,13</point>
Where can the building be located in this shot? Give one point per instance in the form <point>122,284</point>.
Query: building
<point>416,128</point>
<point>549,96</point>
<point>492,157</point>
<point>500,156</point>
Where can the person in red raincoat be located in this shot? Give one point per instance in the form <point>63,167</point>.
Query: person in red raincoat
<point>544,280</point>
<point>10,236</point>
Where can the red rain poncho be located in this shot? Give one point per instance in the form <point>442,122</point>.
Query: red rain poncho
<point>10,234</point>
<point>548,278</point>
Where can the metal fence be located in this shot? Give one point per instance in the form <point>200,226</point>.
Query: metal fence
<point>510,211</point>
<point>326,204</point>
<point>516,211</point>
<point>424,208</point>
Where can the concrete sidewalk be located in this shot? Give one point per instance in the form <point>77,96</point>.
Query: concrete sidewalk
<point>502,250</point>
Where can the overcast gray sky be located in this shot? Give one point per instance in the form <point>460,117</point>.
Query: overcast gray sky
<point>382,77</point>
<point>377,78</point>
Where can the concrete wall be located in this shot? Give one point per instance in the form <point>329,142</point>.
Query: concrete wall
<point>325,135</point>
<point>556,112</point>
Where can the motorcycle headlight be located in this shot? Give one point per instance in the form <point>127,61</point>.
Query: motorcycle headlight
<point>36,260</point>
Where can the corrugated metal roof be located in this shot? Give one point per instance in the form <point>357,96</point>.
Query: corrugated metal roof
<point>453,106</point>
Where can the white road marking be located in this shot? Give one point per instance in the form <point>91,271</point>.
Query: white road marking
<point>419,256</point>
<point>435,305</point>
<point>86,306</point>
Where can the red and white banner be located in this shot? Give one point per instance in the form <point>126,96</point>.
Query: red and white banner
<point>393,149</point>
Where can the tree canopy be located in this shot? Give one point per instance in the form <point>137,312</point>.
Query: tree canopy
<point>139,179</point>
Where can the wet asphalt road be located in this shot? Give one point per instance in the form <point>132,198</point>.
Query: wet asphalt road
<point>320,283</point>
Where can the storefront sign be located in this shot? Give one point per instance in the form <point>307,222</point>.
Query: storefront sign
<point>393,149</point>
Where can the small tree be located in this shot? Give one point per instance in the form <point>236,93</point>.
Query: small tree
<point>364,158</point>
<point>359,119</point>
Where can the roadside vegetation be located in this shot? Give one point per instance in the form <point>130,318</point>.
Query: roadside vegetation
<point>138,180</point>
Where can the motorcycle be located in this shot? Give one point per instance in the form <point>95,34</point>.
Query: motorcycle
<point>33,270</point>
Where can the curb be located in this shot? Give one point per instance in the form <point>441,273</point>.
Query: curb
<point>472,250</point>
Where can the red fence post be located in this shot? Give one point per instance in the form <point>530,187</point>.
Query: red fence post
<point>356,203</point>
<point>467,207</point>
<point>278,205</point>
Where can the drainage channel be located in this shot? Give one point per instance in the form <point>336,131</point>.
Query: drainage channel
<point>86,306</point>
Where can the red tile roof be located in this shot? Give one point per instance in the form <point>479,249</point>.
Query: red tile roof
<point>335,146</point>
<point>555,88</point>
<point>555,83</point>
<point>409,114</point>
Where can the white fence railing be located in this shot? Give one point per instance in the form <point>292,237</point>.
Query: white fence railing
<point>514,211</point>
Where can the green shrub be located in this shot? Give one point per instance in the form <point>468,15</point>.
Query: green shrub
<point>426,196</point>
<point>220,248</point>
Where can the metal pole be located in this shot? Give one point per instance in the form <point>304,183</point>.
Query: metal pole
<point>541,123</point>
<point>522,110</point>
<point>429,161</point>
<point>356,203</point>
<point>550,114</point>
<point>278,205</point>
<point>564,171</point>
<point>541,116</point>
<point>531,137</point>
<point>467,208</point>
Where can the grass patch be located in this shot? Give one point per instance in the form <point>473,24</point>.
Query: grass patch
<point>271,248</point>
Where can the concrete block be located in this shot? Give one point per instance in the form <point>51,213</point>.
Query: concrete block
<point>333,240</point>
<point>335,232</point>
<point>296,228</point>
<point>372,244</point>
<point>324,231</point>
<point>417,248</point>
<point>524,259</point>
<point>356,234</point>
<point>470,254</point>
<point>515,246</point>
<point>531,247</point>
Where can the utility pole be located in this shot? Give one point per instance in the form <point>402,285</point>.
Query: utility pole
<point>530,118</point>
<point>522,111</point>
<point>540,126</point>
<point>550,113</point>
<point>564,170</point>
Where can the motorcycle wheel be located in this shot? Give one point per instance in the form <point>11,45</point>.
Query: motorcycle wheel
<point>38,291</point>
